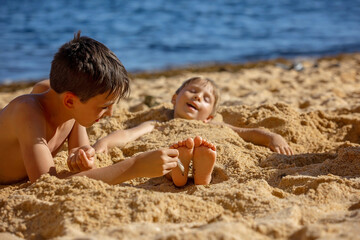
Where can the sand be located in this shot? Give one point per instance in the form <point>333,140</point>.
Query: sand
<point>254,194</point>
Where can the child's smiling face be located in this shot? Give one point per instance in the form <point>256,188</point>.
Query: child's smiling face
<point>195,101</point>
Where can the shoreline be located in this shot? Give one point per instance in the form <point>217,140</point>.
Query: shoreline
<point>197,68</point>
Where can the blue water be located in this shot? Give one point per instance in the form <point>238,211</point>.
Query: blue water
<point>157,34</point>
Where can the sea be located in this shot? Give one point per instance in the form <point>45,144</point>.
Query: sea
<point>161,34</point>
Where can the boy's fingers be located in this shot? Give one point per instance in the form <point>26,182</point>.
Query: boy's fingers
<point>79,163</point>
<point>282,150</point>
<point>90,163</point>
<point>82,155</point>
<point>288,151</point>
<point>277,149</point>
<point>90,152</point>
<point>82,160</point>
<point>71,156</point>
<point>170,165</point>
<point>172,152</point>
<point>70,167</point>
<point>291,151</point>
<point>87,162</point>
<point>74,165</point>
<point>166,172</point>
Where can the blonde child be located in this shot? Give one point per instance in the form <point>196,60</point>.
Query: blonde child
<point>196,99</point>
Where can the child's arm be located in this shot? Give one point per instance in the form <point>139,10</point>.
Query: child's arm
<point>31,131</point>
<point>31,135</point>
<point>121,137</point>
<point>265,138</point>
<point>38,159</point>
<point>81,154</point>
<point>149,164</point>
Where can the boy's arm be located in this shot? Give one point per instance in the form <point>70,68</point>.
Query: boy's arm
<point>81,154</point>
<point>78,136</point>
<point>31,132</point>
<point>121,137</point>
<point>149,164</point>
<point>265,138</point>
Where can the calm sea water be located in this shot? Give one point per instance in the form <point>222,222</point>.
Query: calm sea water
<point>157,34</point>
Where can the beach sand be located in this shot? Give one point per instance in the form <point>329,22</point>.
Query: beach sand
<point>254,194</point>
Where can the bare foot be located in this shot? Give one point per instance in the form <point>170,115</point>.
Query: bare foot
<point>185,149</point>
<point>203,160</point>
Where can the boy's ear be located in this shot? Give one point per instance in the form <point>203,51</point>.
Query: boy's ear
<point>69,99</point>
<point>173,99</point>
<point>208,119</point>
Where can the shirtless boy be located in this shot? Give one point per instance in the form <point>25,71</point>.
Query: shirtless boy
<point>198,98</point>
<point>86,79</point>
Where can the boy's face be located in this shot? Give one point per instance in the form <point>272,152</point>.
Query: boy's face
<point>86,114</point>
<point>195,101</point>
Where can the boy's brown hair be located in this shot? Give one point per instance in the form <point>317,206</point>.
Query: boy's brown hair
<point>206,81</point>
<point>88,68</point>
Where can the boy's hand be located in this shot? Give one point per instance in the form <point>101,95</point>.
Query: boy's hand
<point>278,144</point>
<point>156,163</point>
<point>81,159</point>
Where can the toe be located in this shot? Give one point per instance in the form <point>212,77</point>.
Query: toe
<point>197,141</point>
<point>189,143</point>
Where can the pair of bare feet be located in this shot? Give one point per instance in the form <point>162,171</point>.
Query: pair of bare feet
<point>203,154</point>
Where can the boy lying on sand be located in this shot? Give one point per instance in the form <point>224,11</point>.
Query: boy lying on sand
<point>197,99</point>
<point>86,79</point>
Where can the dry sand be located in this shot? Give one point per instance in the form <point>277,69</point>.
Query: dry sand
<point>255,194</point>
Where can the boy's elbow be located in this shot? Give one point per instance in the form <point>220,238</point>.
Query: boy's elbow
<point>34,177</point>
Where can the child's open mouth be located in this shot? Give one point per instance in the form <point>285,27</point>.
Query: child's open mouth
<point>191,106</point>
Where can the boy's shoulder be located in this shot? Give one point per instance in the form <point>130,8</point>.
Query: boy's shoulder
<point>22,116</point>
<point>26,100</point>
<point>24,106</point>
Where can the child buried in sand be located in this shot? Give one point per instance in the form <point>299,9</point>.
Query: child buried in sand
<point>196,99</point>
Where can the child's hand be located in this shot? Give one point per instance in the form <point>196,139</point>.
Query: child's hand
<point>156,163</point>
<point>81,159</point>
<point>278,144</point>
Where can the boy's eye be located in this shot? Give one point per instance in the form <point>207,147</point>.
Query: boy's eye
<point>207,99</point>
<point>105,108</point>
